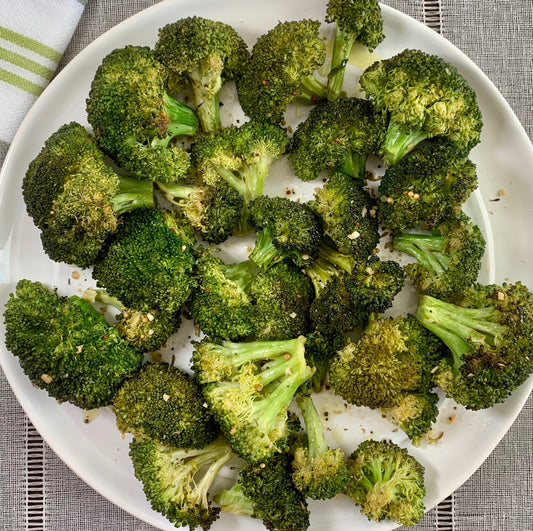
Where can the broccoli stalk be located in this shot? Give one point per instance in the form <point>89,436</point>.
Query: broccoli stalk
<point>132,193</point>
<point>251,402</point>
<point>319,471</point>
<point>427,249</point>
<point>183,121</point>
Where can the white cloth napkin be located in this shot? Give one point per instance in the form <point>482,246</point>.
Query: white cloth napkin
<point>33,37</point>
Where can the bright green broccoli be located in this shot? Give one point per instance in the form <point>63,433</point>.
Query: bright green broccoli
<point>281,70</point>
<point>75,199</point>
<point>286,230</point>
<point>266,491</point>
<point>386,482</point>
<point>176,481</point>
<point>162,403</point>
<point>425,97</point>
<point>220,303</point>
<point>349,215</point>
<point>214,211</point>
<point>448,259</point>
<point>337,134</point>
<point>392,356</point>
<point>65,346</point>
<point>149,262</point>
<point>415,414</point>
<point>143,330</point>
<point>356,21</point>
<point>240,157</point>
<point>207,53</point>
<point>319,471</point>
<point>281,299</point>
<point>249,387</point>
<point>426,186</point>
<point>133,117</point>
<point>489,332</point>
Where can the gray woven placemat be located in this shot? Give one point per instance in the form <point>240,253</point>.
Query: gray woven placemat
<point>38,492</point>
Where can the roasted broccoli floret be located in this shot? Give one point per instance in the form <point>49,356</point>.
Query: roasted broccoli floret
<point>214,211</point>
<point>425,97</point>
<point>176,481</point>
<point>286,230</point>
<point>426,186</point>
<point>75,199</point>
<point>386,482</point>
<point>393,356</point>
<point>337,134</point>
<point>489,331</point>
<point>149,262</point>
<point>144,330</point>
<point>448,259</point>
<point>349,215</point>
<point>281,299</point>
<point>319,471</point>
<point>281,70</point>
<point>241,157</point>
<point>348,299</point>
<point>207,53</point>
<point>249,387</point>
<point>220,303</point>
<point>356,21</point>
<point>266,491</point>
<point>415,414</point>
<point>134,118</point>
<point>162,403</point>
<point>65,346</point>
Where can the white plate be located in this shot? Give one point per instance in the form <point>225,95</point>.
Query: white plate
<point>96,452</point>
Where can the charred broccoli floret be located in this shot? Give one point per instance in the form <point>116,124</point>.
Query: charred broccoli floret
<point>144,330</point>
<point>386,482</point>
<point>286,230</point>
<point>75,199</point>
<point>266,491</point>
<point>207,53</point>
<point>355,21</point>
<point>176,481</point>
<point>426,186</point>
<point>392,356</point>
<point>319,471</point>
<point>220,303</point>
<point>149,262</point>
<point>337,134</point>
<point>165,405</point>
<point>349,215</point>
<point>249,387</point>
<point>240,157</point>
<point>281,298</point>
<point>489,331</point>
<point>134,118</point>
<point>65,346</point>
<point>415,414</point>
<point>281,70</point>
<point>425,97</point>
<point>448,259</point>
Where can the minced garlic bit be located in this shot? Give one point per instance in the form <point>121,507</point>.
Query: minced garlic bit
<point>501,296</point>
<point>46,378</point>
<point>79,349</point>
<point>166,397</point>
<point>502,192</point>
<point>354,235</point>
<point>293,315</point>
<point>288,371</point>
<point>75,275</point>
<point>286,356</point>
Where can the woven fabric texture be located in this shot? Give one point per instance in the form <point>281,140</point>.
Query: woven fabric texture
<point>39,492</point>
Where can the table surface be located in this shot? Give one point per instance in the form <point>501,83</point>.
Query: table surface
<point>497,36</point>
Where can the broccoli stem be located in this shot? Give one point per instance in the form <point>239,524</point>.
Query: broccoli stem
<point>354,165</point>
<point>100,295</point>
<point>311,90</point>
<point>316,442</point>
<point>459,328</point>
<point>342,46</point>
<point>426,249</point>
<point>234,501</point>
<point>398,143</point>
<point>206,84</point>
<point>232,179</point>
<point>183,119</point>
<point>242,273</point>
<point>172,192</point>
<point>132,194</point>
<point>265,254</point>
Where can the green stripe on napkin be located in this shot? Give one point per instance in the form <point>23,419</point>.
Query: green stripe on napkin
<point>27,64</point>
<point>20,82</point>
<point>29,44</point>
